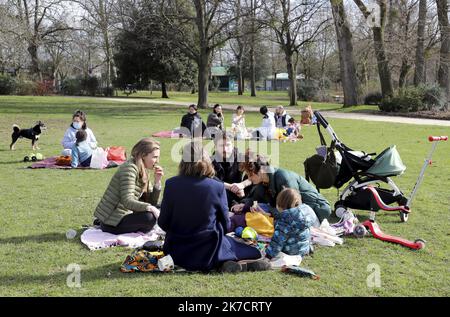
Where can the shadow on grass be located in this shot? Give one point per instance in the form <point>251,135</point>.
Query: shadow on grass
<point>105,272</point>
<point>11,162</point>
<point>45,237</point>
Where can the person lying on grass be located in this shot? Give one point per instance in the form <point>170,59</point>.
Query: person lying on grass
<point>78,123</point>
<point>81,151</point>
<point>291,235</point>
<point>271,181</point>
<point>194,215</point>
<point>128,204</point>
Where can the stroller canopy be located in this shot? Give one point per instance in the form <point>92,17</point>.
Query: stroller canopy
<point>388,163</point>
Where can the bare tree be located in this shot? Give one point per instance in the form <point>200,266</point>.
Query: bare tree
<point>198,28</point>
<point>295,23</point>
<point>349,79</point>
<point>100,15</point>
<point>443,73</point>
<point>419,73</point>
<point>35,21</point>
<point>378,28</point>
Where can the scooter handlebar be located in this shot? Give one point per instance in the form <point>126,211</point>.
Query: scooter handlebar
<point>437,138</point>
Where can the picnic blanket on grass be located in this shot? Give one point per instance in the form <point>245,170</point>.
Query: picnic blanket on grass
<point>165,134</point>
<point>51,163</point>
<point>95,238</point>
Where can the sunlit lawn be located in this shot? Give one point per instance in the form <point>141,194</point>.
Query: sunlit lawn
<point>39,206</point>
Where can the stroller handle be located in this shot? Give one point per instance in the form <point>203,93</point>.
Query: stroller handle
<point>437,138</point>
<point>321,119</point>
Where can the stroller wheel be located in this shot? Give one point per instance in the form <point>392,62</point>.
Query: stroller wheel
<point>403,216</point>
<point>360,231</point>
<point>340,210</point>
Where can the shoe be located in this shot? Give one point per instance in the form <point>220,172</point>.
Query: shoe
<point>258,265</point>
<point>231,267</point>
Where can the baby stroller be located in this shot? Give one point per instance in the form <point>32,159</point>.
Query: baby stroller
<point>366,175</point>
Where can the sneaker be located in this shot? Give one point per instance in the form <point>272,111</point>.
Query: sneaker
<point>231,267</point>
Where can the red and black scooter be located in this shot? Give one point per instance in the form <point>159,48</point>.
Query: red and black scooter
<point>377,203</point>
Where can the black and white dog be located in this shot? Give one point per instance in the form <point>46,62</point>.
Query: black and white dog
<point>31,133</point>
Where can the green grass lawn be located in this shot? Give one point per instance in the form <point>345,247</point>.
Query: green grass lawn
<point>269,98</point>
<point>39,206</point>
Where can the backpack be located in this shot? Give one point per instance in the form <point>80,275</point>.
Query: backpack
<point>322,170</point>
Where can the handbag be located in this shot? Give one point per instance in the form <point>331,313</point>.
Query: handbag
<point>322,170</point>
<point>116,153</point>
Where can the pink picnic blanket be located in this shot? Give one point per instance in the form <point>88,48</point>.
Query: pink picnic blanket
<point>165,134</point>
<point>51,163</point>
<point>96,239</point>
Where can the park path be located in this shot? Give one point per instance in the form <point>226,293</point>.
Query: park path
<point>326,114</point>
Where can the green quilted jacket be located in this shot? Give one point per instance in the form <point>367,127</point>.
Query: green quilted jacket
<point>123,196</point>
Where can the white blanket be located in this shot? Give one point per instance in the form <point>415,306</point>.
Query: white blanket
<point>96,239</point>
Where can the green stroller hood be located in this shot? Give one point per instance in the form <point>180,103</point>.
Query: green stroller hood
<point>388,163</point>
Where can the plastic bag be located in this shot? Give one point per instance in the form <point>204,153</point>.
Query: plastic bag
<point>116,153</point>
<point>99,158</point>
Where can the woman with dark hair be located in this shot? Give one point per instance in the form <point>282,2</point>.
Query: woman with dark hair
<point>271,181</point>
<point>194,214</point>
<point>214,124</point>
<point>78,123</point>
<point>267,130</point>
<point>192,123</point>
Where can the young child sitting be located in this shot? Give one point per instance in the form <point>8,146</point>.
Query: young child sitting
<point>293,130</point>
<point>292,226</point>
<point>81,150</point>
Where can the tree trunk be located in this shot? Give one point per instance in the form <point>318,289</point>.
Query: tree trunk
<point>240,86</point>
<point>404,69</point>
<point>419,73</point>
<point>35,71</point>
<point>203,79</point>
<point>292,74</point>
<point>378,41</point>
<point>252,71</point>
<point>443,72</point>
<point>382,62</point>
<point>252,51</point>
<point>164,90</point>
<point>349,79</point>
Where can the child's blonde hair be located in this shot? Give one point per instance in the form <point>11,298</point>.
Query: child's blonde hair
<point>144,147</point>
<point>288,198</point>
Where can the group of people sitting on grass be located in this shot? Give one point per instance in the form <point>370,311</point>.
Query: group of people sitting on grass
<point>273,126</point>
<point>210,193</point>
<point>199,203</point>
<point>79,141</point>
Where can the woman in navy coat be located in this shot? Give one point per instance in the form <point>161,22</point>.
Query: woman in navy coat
<point>194,214</point>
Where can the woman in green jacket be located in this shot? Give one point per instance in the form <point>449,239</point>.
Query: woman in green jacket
<point>270,181</point>
<point>128,204</point>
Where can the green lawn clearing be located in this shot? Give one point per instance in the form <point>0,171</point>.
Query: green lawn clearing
<point>39,206</point>
<point>268,98</point>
